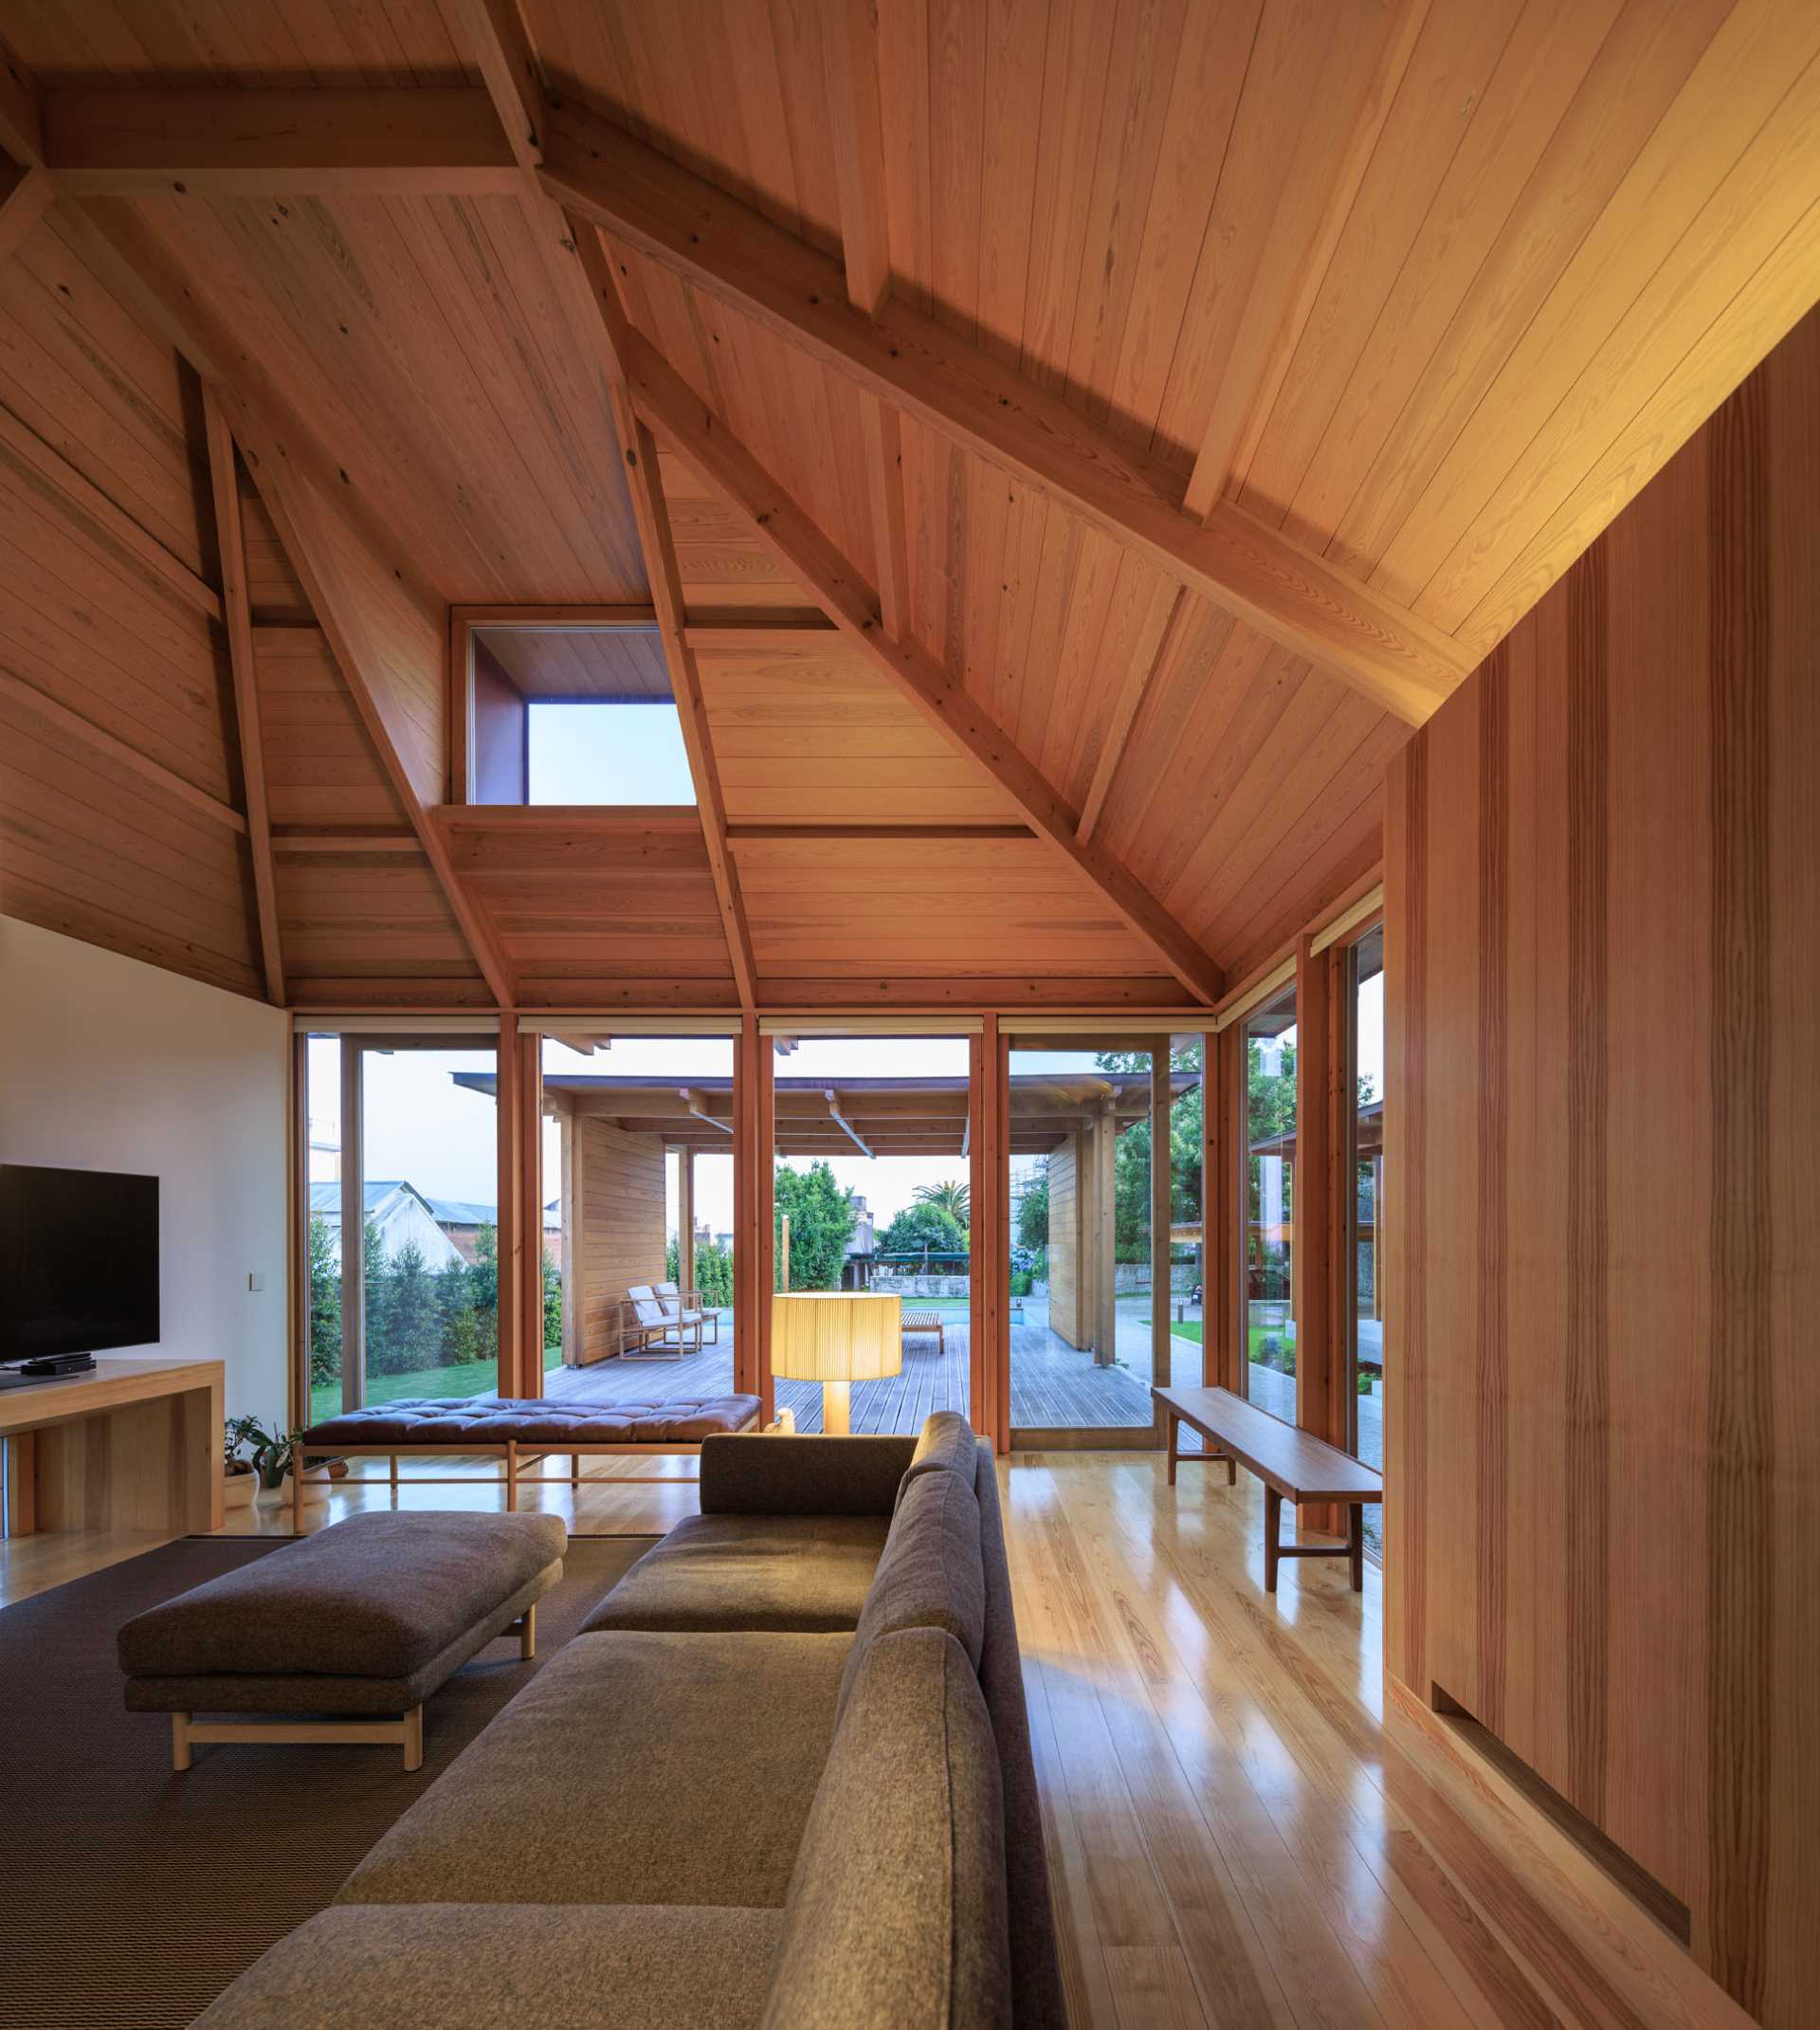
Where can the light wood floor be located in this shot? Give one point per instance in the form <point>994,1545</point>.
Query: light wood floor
<point>1235,1836</point>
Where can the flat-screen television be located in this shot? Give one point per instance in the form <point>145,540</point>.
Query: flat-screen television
<point>79,1261</point>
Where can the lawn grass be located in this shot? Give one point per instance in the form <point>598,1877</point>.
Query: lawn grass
<point>469,1378</point>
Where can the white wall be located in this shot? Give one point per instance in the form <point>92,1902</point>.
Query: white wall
<point>106,1064</point>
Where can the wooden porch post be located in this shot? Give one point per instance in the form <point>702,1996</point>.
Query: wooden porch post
<point>354,1228</point>
<point>1160,1200</point>
<point>529,1179</point>
<point>508,1098</point>
<point>685,1217</point>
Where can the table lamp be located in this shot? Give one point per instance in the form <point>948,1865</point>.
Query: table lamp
<point>836,1339</point>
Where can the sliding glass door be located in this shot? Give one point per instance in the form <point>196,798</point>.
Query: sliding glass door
<point>401,1233</point>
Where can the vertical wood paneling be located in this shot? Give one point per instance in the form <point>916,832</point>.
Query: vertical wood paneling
<point>1586,1412</point>
<point>1741,1542</point>
<point>1494,1057</point>
<point>1602,885</point>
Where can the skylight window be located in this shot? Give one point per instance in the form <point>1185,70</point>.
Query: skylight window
<point>571,712</point>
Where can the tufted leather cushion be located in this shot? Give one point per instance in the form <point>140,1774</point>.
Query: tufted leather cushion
<point>534,1421</point>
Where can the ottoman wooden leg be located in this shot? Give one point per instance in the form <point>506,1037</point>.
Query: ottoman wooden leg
<point>179,1740</point>
<point>528,1634</point>
<point>574,1468</point>
<point>414,1738</point>
<point>511,1477</point>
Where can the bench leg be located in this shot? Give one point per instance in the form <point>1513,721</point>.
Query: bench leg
<point>1272,1530</point>
<point>528,1634</point>
<point>1174,1444</point>
<point>179,1740</point>
<point>511,1477</point>
<point>414,1738</point>
<point>1356,1545</point>
<point>574,1468</point>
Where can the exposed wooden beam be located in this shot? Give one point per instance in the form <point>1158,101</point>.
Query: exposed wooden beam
<point>811,834</point>
<point>298,515</point>
<point>701,437</point>
<point>1124,716</point>
<point>22,126</point>
<point>646,485</point>
<point>435,141</point>
<point>713,637</point>
<point>41,465</point>
<point>514,78</point>
<point>850,46</point>
<point>841,1121</point>
<point>698,1105</point>
<point>713,240</point>
<point>882,435</point>
<point>343,842</point>
<point>24,196</point>
<point>230,541</point>
<point>115,749</point>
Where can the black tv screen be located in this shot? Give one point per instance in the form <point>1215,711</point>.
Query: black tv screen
<point>79,1261</point>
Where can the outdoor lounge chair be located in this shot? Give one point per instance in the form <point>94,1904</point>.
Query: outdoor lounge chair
<point>653,1333</point>
<point>684,1307</point>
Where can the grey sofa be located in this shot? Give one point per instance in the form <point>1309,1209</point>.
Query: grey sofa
<point>781,1778</point>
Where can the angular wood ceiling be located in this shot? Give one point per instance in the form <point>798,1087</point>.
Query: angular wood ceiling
<point>1087,436</point>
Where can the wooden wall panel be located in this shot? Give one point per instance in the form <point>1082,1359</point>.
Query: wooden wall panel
<point>1065,1280</point>
<point>1603,874</point>
<point>620,1195</point>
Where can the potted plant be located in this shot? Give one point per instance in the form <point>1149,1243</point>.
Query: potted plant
<point>271,1453</point>
<point>238,1478</point>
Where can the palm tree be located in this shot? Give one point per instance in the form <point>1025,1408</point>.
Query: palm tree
<point>950,1197</point>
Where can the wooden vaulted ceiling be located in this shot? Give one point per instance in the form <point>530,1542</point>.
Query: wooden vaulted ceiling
<point>1082,440</point>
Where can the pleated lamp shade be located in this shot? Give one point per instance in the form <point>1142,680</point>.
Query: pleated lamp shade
<point>836,1336</point>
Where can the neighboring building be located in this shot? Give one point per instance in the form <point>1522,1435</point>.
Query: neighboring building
<point>442,1228</point>
<point>398,1210</point>
<point>863,1241</point>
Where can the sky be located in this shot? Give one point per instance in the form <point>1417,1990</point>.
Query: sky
<point>423,1126</point>
<point>607,753</point>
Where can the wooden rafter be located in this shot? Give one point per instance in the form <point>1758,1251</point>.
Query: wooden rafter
<point>372,143</point>
<point>231,542</point>
<point>1297,598</point>
<point>21,125</point>
<point>325,589</point>
<point>115,749</point>
<point>1124,716</point>
<point>646,485</point>
<point>850,46</point>
<point>43,465</point>
<point>23,194</point>
<point>666,402</point>
<point>841,1121</point>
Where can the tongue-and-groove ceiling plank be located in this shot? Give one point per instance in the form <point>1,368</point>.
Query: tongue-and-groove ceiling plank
<point>426,340</point>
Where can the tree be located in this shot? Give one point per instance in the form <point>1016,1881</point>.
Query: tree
<point>821,1223</point>
<point>713,1272</point>
<point>924,1228</point>
<point>552,1302</point>
<point>325,1304</point>
<point>405,1333</point>
<point>484,1274</point>
<point>952,1198</point>
<point>1131,1157</point>
<point>1034,1211</point>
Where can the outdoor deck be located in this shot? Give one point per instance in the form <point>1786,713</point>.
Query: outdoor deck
<point>1053,1384</point>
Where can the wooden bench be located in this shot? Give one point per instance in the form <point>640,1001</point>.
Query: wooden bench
<point>924,1322</point>
<point>1292,1464</point>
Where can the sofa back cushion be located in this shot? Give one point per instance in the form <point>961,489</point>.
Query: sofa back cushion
<point>947,1444</point>
<point>896,1915</point>
<point>929,1574</point>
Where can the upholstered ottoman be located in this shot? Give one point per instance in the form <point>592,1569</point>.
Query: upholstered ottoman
<point>362,1623</point>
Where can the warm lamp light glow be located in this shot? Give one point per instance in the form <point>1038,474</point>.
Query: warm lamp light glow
<point>836,1338</point>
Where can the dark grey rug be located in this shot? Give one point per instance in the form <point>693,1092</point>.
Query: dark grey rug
<point>130,1896</point>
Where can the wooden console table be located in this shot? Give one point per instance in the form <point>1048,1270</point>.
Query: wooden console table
<point>134,1445</point>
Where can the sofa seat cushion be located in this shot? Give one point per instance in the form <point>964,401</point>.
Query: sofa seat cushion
<point>896,1916</point>
<point>532,1421</point>
<point>374,1597</point>
<point>450,1967</point>
<point>947,1443</point>
<point>807,1573</point>
<point>636,1767</point>
<point>930,1575</point>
